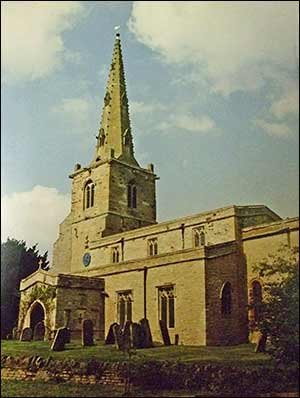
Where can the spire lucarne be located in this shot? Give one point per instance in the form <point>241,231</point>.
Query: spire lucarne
<point>114,138</point>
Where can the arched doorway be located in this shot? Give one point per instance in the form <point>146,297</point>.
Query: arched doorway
<point>37,314</point>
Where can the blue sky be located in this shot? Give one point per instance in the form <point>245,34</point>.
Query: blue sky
<point>213,96</point>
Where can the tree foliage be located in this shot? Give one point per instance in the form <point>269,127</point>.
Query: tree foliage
<point>17,262</point>
<point>279,309</point>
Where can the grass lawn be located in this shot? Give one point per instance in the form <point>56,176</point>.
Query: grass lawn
<point>241,355</point>
<point>14,388</point>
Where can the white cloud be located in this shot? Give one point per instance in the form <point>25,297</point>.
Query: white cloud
<point>190,123</point>
<point>31,37</point>
<point>279,130</point>
<point>287,104</point>
<point>34,216</point>
<point>75,110</point>
<point>140,107</point>
<point>232,43</point>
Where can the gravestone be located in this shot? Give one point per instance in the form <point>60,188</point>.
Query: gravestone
<point>15,333</point>
<point>68,335</point>
<point>59,340</point>
<point>26,334</point>
<point>261,343</point>
<point>87,333</point>
<point>164,332</point>
<point>146,336</point>
<point>39,331</point>
<point>176,339</point>
<point>117,335</point>
<point>110,338</point>
<point>126,337</point>
<point>135,335</point>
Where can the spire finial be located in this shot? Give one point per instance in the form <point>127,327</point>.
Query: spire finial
<point>116,28</point>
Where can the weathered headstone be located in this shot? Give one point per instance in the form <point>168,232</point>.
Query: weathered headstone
<point>176,339</point>
<point>164,332</point>
<point>126,337</point>
<point>110,338</point>
<point>135,334</point>
<point>59,340</point>
<point>87,336</point>
<point>68,335</point>
<point>26,334</point>
<point>39,331</point>
<point>261,343</point>
<point>15,333</point>
<point>117,335</point>
<point>146,334</point>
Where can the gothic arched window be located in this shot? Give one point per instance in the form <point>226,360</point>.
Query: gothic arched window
<point>226,299</point>
<point>131,196</point>
<point>124,307</point>
<point>89,194</point>
<point>152,247</point>
<point>199,237</point>
<point>166,305</point>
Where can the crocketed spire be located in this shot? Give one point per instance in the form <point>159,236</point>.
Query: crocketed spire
<point>114,138</point>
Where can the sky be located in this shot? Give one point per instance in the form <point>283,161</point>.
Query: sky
<point>213,92</point>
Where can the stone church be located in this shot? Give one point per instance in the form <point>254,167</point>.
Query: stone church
<point>113,262</point>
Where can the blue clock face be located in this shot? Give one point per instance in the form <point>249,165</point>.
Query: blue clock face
<point>86,259</point>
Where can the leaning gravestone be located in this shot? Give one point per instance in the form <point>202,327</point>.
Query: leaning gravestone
<point>261,343</point>
<point>39,331</point>
<point>26,334</point>
<point>15,333</point>
<point>59,340</point>
<point>87,333</point>
<point>126,337</point>
<point>135,335</point>
<point>164,332</point>
<point>68,335</point>
<point>110,338</point>
<point>146,334</point>
<point>118,336</point>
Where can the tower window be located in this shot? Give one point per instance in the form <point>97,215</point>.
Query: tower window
<point>115,254</point>
<point>124,307</point>
<point>199,237</point>
<point>131,196</point>
<point>166,305</point>
<point>89,194</point>
<point>226,299</point>
<point>152,247</point>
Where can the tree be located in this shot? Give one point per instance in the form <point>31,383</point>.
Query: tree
<point>279,309</point>
<point>17,262</point>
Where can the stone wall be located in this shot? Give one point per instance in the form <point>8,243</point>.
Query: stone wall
<point>263,240</point>
<point>212,380</point>
<point>226,329</point>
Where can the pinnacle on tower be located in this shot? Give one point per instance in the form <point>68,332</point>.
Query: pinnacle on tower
<point>114,138</point>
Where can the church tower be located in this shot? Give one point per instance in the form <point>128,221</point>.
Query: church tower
<point>113,193</point>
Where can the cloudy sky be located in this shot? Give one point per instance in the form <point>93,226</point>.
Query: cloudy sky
<point>213,95</point>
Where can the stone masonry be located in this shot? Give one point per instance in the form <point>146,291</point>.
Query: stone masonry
<point>113,262</point>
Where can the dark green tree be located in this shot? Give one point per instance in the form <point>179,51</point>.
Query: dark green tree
<point>279,309</point>
<point>17,262</point>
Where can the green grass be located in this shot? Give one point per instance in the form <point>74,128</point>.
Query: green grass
<point>17,388</point>
<point>241,355</point>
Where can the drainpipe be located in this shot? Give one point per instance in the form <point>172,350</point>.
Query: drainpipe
<point>145,292</point>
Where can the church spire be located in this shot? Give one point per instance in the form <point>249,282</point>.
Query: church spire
<point>114,138</point>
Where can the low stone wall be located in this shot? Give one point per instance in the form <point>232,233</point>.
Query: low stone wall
<point>37,368</point>
<point>212,379</point>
